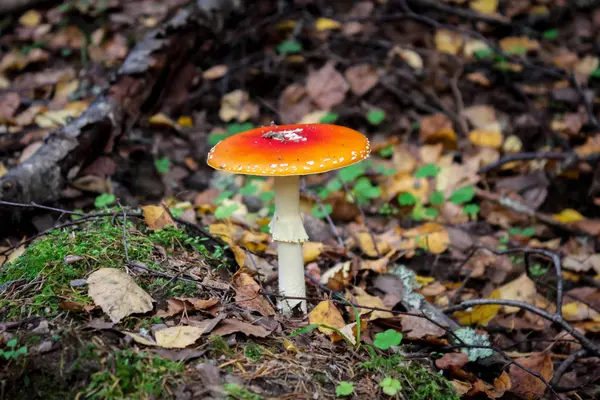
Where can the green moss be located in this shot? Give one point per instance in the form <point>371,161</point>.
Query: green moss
<point>132,375</point>
<point>417,382</point>
<point>169,288</point>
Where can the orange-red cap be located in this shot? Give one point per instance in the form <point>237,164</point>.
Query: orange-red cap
<point>300,149</point>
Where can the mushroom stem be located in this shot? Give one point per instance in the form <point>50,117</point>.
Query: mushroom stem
<point>288,231</point>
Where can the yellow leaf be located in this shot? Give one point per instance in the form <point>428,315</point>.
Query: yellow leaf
<point>424,280</point>
<point>486,139</point>
<point>223,232</point>
<point>30,18</point>
<point>430,236</point>
<point>365,241</point>
<point>410,57</point>
<point>363,298</point>
<point>64,89</point>
<point>3,169</point>
<point>157,217</point>
<point>287,24</point>
<point>162,120</point>
<point>577,311</point>
<point>484,6</point>
<point>185,122</point>
<point>481,315</point>
<point>311,251</point>
<point>326,24</point>
<point>326,313</point>
<point>512,144</point>
<point>448,41</point>
<point>568,215</point>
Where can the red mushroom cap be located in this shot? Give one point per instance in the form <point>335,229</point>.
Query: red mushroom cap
<point>300,149</point>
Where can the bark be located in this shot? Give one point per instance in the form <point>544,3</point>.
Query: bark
<point>137,86</point>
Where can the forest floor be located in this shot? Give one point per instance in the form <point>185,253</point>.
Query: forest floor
<point>460,260</point>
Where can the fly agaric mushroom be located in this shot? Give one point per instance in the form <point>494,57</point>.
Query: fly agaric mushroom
<point>286,152</point>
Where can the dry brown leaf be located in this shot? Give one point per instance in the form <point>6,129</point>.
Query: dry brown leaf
<point>157,217</point>
<point>326,313</point>
<point>452,360</point>
<point>229,326</point>
<point>117,293</point>
<point>326,86</point>
<point>178,337</point>
<point>362,78</point>
<point>247,295</point>
<point>519,45</point>
<point>527,385</point>
<point>418,328</point>
<point>486,138</point>
<point>430,236</point>
<point>483,118</point>
<point>9,103</point>
<point>337,277</point>
<point>437,128</point>
<point>521,289</point>
<point>294,104</point>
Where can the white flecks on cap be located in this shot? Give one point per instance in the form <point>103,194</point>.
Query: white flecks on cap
<point>310,162</point>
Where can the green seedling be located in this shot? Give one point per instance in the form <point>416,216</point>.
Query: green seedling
<point>289,46</point>
<point>321,211</point>
<point>104,200</point>
<point>390,386</point>
<point>375,116</point>
<point>387,339</point>
<point>239,392</point>
<point>11,352</point>
<point>329,118</point>
<point>344,389</point>
<point>163,165</point>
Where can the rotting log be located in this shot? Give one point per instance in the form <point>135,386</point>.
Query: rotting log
<point>136,88</point>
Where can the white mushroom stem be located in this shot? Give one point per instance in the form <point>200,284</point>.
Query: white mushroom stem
<point>288,231</point>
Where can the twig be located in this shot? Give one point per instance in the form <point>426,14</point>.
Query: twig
<point>327,217</point>
<point>362,214</point>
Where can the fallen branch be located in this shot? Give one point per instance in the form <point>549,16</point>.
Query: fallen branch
<point>145,74</point>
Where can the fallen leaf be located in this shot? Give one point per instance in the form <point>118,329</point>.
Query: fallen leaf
<point>140,339</point>
<point>326,86</point>
<point>483,118</point>
<point>430,236</point>
<point>437,128</point>
<point>362,298</point>
<point>362,78</point>
<point>415,327</point>
<point>452,360</point>
<point>481,315</point>
<point>519,45</point>
<point>484,6</point>
<point>337,277</point>
<point>410,57</point>
<point>229,326</point>
<point>30,18</point>
<point>311,251</point>
<point>326,313</point>
<point>447,41</point>
<point>237,105</point>
<point>582,263</point>
<point>295,104</point>
<point>9,103</point>
<point>568,216</point>
<point>157,218</point>
<point>326,24</point>
<point>178,337</point>
<point>247,295</point>
<point>527,385</point>
<point>216,72</point>
<point>117,293</point>
<point>521,289</point>
<point>161,119</point>
<point>486,139</point>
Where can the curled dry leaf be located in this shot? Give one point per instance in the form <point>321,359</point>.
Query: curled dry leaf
<point>326,86</point>
<point>247,295</point>
<point>362,298</point>
<point>437,128</point>
<point>229,326</point>
<point>447,41</point>
<point>451,360</point>
<point>418,328</point>
<point>117,293</point>
<point>337,277</point>
<point>362,78</point>
<point>157,217</point>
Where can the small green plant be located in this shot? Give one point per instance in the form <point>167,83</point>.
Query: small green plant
<point>537,270</point>
<point>321,211</point>
<point>329,118</point>
<point>11,352</point>
<point>375,116</point>
<point>133,375</point>
<point>344,389</point>
<point>427,171</point>
<point>390,386</point>
<point>104,200</point>
<point>220,347</point>
<point>253,351</point>
<point>550,34</point>
<point>238,392</point>
<point>163,165</point>
<point>387,151</point>
<point>289,46</point>
<point>387,339</point>
<point>526,232</point>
